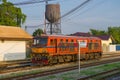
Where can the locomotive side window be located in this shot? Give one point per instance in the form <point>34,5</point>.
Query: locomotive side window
<point>96,44</point>
<point>51,42</point>
<point>93,45</point>
<point>61,45</point>
<point>61,41</point>
<point>72,40</point>
<point>89,46</point>
<point>55,42</point>
<point>66,44</point>
<point>66,40</point>
<point>72,45</point>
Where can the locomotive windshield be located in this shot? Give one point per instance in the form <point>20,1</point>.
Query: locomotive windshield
<point>40,41</point>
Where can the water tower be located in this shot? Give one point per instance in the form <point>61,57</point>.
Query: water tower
<point>52,16</point>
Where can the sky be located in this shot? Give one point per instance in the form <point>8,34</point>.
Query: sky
<point>96,14</point>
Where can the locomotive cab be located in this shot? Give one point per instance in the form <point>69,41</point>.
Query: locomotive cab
<point>39,44</point>
<point>39,50</point>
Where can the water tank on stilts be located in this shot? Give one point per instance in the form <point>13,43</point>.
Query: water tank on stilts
<point>52,15</point>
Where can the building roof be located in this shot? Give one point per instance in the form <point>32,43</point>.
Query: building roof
<point>104,37</point>
<point>81,34</point>
<point>107,37</point>
<point>11,32</point>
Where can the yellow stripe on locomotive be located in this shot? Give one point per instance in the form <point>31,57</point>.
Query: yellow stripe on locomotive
<point>39,50</point>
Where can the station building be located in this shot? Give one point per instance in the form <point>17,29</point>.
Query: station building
<point>13,43</point>
<point>106,40</point>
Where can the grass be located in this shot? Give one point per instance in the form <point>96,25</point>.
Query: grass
<point>73,75</point>
<point>101,68</point>
<point>70,75</point>
<point>52,76</point>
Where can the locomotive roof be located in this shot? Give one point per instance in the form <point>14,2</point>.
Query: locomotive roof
<point>64,36</point>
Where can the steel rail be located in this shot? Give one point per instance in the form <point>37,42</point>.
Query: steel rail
<point>55,71</point>
<point>101,74</point>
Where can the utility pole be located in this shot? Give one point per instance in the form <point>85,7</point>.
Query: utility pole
<point>25,28</point>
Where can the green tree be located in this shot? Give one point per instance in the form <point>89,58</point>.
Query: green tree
<point>98,32</point>
<point>115,32</point>
<point>38,32</point>
<point>11,15</point>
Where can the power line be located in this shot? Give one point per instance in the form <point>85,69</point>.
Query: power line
<point>68,13</point>
<point>94,6</point>
<point>31,2</point>
<point>76,8</point>
<point>35,26</point>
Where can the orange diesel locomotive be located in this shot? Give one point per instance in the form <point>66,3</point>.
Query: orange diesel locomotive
<point>51,49</point>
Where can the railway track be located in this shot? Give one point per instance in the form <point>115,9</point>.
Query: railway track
<point>41,74</point>
<point>55,71</point>
<point>100,63</point>
<point>112,76</point>
<point>101,75</point>
<point>110,55</point>
<point>10,64</point>
<point>5,64</point>
<point>26,64</point>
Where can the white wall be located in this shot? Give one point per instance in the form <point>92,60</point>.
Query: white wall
<point>112,48</point>
<point>105,45</point>
<point>12,50</point>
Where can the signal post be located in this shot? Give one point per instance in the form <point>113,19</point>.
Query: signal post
<point>81,44</point>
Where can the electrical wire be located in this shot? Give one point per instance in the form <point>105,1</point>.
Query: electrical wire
<point>35,26</point>
<point>94,6</point>
<point>30,2</point>
<point>74,9</point>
